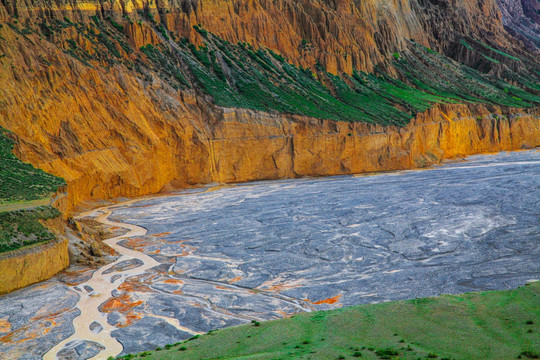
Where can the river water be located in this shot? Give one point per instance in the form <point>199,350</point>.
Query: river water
<point>217,257</point>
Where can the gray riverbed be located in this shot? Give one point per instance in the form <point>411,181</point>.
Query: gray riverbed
<point>270,249</point>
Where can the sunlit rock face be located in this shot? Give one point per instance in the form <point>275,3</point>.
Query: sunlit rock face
<point>111,131</point>
<point>342,35</point>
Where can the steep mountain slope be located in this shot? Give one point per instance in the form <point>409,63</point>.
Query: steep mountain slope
<point>522,19</point>
<point>342,35</point>
<point>123,98</point>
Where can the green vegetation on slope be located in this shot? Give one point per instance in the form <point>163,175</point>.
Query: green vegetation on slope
<point>238,75</point>
<point>20,181</point>
<point>437,74</point>
<point>22,228</point>
<point>488,325</point>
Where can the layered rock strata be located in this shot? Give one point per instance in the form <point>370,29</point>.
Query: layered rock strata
<point>30,265</point>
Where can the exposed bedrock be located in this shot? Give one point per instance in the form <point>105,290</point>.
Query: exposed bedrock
<point>109,133</point>
<point>342,35</point>
<point>126,148</point>
<point>31,265</point>
<point>522,19</point>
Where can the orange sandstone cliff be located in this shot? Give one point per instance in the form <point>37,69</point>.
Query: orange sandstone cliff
<point>87,104</point>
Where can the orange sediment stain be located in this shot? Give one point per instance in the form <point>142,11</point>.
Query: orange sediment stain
<point>277,285</point>
<point>124,306</point>
<point>185,252</point>
<point>281,287</point>
<point>235,279</point>
<point>5,326</point>
<point>284,314</point>
<point>161,234</point>
<point>37,327</point>
<point>9,338</point>
<point>136,283</point>
<point>173,281</point>
<point>137,243</point>
<point>50,327</point>
<point>29,332</point>
<point>50,317</point>
<point>330,301</point>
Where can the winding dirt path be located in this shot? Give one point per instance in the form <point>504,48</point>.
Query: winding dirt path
<point>103,286</point>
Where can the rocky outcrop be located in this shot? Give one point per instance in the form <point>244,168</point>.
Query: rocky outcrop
<point>111,131</point>
<point>142,152</point>
<point>342,35</point>
<point>522,19</point>
<point>31,265</point>
<point>307,147</point>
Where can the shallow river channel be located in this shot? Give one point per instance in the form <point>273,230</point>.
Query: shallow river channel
<point>215,257</point>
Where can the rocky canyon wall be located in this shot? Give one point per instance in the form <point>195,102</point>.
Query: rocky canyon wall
<point>522,19</point>
<point>241,145</point>
<point>31,265</point>
<point>306,147</point>
<point>111,131</point>
<point>342,35</point>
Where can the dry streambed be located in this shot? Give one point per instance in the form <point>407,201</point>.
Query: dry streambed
<point>197,261</point>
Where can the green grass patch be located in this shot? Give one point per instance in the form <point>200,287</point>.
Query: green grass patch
<point>491,59</point>
<point>438,75</point>
<point>165,63</point>
<point>499,52</point>
<point>488,325</point>
<point>116,25</point>
<point>466,44</point>
<point>241,76</point>
<point>23,228</point>
<point>22,186</point>
<point>20,181</point>
<point>105,36</point>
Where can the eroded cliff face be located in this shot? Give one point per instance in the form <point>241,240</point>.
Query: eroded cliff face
<point>342,35</point>
<point>31,265</point>
<point>135,139</point>
<point>522,19</point>
<point>110,132</point>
